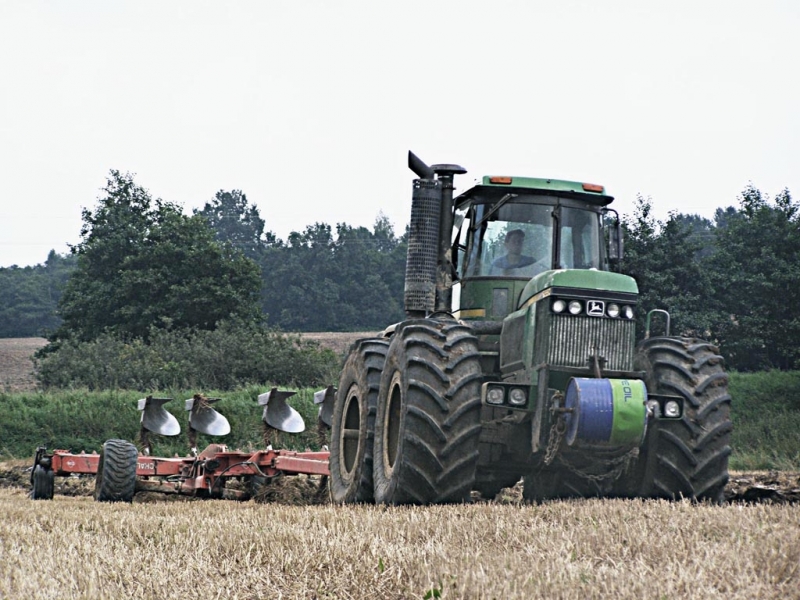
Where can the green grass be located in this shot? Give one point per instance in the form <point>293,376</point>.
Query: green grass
<point>765,411</point>
<point>83,420</point>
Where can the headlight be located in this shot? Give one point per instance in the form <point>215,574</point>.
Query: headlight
<point>653,409</point>
<point>575,307</point>
<point>517,397</point>
<point>559,306</point>
<point>627,312</point>
<point>672,409</point>
<point>613,310</point>
<point>495,395</point>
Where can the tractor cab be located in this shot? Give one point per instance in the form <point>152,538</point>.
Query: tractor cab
<point>512,229</point>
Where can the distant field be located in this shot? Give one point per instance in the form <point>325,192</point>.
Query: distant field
<point>16,366</point>
<point>338,342</point>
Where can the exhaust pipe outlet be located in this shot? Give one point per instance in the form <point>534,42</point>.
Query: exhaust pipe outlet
<point>416,164</point>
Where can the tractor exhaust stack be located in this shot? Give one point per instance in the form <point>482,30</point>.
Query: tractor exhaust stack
<point>428,263</point>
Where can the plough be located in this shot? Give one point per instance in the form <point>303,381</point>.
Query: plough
<point>120,470</point>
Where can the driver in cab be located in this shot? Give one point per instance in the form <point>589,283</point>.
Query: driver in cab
<point>514,258</point>
<point>515,263</point>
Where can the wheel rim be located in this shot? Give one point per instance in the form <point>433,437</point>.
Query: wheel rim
<point>351,427</point>
<point>391,429</point>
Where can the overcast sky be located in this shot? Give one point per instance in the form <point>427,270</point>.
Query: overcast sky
<point>310,107</point>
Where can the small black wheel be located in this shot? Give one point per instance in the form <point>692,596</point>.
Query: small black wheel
<point>428,419</point>
<point>43,483</point>
<point>116,472</point>
<point>353,423</point>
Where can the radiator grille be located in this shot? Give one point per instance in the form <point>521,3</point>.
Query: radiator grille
<point>573,340</point>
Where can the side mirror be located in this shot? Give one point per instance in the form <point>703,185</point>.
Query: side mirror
<point>615,242</point>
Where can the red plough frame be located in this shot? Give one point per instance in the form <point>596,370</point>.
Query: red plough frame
<point>202,475</point>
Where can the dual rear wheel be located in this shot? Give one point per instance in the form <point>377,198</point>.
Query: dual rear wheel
<point>353,423</point>
<point>427,417</point>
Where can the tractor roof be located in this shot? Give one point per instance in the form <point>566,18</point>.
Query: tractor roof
<point>588,192</point>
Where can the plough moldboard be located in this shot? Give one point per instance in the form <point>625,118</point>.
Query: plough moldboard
<point>121,470</point>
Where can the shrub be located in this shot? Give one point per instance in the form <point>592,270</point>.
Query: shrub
<point>233,355</point>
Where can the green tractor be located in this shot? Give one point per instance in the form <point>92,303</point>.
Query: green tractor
<point>518,359</point>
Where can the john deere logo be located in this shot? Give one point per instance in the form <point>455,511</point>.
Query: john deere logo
<point>595,308</point>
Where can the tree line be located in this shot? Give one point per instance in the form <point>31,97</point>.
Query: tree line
<point>143,267</point>
<point>734,280</point>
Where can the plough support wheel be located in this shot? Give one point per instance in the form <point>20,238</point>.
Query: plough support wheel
<point>43,483</point>
<point>116,472</point>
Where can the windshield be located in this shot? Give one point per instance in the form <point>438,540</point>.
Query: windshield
<point>517,240</point>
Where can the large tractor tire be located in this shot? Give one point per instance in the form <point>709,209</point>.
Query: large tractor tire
<point>43,483</point>
<point>685,458</point>
<point>116,472</point>
<point>428,419</point>
<point>353,424</point>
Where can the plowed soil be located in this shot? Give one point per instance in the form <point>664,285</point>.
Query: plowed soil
<point>339,342</point>
<point>763,487</point>
<point>16,364</point>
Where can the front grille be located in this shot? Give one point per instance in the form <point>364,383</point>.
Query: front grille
<point>572,340</point>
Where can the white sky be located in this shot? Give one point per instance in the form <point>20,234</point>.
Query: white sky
<point>310,107</point>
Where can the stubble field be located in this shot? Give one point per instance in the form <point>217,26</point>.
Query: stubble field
<point>72,547</point>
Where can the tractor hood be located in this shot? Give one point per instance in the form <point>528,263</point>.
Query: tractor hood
<point>578,278</point>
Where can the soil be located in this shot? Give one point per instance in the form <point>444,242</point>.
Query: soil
<point>339,342</point>
<point>16,364</point>
<point>762,487</point>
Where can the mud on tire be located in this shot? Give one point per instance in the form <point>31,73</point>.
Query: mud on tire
<point>428,419</point>
<point>688,457</point>
<point>353,424</point>
<point>116,472</point>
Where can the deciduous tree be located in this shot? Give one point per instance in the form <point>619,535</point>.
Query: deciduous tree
<point>143,263</point>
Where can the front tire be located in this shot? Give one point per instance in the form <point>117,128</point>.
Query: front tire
<point>428,419</point>
<point>353,422</point>
<point>116,472</point>
<point>687,457</point>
